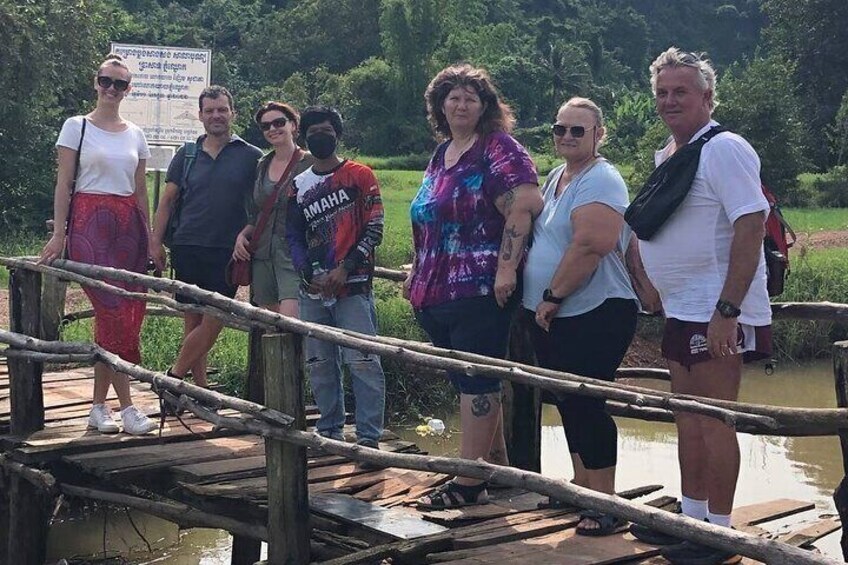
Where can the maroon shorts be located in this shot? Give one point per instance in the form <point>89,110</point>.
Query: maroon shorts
<point>686,342</point>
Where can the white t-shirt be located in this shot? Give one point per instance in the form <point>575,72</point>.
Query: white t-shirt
<point>108,160</point>
<point>687,260</point>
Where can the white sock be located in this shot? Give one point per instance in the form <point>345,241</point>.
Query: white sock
<point>693,508</point>
<point>719,519</point>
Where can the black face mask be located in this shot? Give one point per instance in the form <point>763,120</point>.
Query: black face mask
<point>321,144</point>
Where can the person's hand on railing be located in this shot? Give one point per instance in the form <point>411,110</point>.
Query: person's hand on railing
<point>53,249</point>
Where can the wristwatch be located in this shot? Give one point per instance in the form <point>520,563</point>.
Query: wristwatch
<point>727,310</point>
<point>548,296</point>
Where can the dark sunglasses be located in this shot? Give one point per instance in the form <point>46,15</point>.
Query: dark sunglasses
<point>119,84</point>
<point>277,123</point>
<point>576,131</point>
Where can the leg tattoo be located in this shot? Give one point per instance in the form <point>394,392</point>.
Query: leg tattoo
<point>481,405</point>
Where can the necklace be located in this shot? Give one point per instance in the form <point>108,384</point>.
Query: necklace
<point>453,155</point>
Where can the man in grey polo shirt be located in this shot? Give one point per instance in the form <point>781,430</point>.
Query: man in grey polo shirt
<point>210,216</point>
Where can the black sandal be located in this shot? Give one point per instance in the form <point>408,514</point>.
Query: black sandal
<point>607,524</point>
<point>454,495</point>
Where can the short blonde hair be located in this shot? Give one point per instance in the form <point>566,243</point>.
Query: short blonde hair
<point>587,104</point>
<point>673,57</point>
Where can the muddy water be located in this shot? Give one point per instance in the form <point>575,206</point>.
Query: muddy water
<point>772,467</point>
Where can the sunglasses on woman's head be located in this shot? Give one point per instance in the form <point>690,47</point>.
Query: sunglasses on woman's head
<point>576,131</point>
<point>119,84</point>
<point>277,123</point>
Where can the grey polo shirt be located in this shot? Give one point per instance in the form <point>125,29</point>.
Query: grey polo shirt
<point>212,212</point>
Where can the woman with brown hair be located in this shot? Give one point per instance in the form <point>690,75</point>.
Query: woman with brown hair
<point>471,220</point>
<point>274,281</point>
<point>101,194</point>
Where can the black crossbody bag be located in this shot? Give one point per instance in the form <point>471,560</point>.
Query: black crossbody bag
<point>666,188</point>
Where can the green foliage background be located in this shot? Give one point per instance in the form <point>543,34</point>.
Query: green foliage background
<point>781,71</point>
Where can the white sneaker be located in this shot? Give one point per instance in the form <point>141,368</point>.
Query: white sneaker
<point>100,419</point>
<point>135,422</point>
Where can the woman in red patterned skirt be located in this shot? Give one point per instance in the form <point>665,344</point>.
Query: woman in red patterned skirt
<point>107,225</point>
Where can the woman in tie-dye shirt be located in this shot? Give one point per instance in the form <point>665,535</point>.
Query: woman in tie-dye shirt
<point>471,220</point>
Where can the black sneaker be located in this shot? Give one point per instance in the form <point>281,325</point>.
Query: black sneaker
<point>691,553</point>
<point>652,536</point>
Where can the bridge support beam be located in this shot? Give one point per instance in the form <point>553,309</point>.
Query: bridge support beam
<point>840,497</point>
<point>288,492</point>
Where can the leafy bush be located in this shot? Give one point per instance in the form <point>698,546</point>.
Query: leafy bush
<point>831,188</point>
<point>760,103</point>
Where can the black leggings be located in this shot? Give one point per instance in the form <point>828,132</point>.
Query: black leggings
<point>591,345</point>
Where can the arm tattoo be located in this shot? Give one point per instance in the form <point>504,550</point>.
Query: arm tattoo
<point>507,248</point>
<point>509,200</point>
<point>481,405</point>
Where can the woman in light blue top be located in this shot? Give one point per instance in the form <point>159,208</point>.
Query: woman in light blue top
<point>577,284</point>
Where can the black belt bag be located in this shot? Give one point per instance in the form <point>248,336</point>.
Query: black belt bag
<point>666,188</point>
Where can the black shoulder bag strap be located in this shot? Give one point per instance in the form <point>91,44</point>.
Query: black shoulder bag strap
<point>73,187</point>
<point>666,188</point>
<point>189,157</point>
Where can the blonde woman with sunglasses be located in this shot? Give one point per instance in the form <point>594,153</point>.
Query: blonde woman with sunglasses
<point>101,218</point>
<point>577,287</point>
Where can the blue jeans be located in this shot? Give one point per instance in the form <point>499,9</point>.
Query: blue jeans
<point>324,360</point>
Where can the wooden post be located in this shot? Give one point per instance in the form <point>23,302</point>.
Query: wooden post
<point>255,385</point>
<point>5,487</point>
<point>29,518</point>
<point>25,394</point>
<point>52,306</point>
<point>288,494</point>
<point>247,551</point>
<point>522,403</point>
<point>840,497</point>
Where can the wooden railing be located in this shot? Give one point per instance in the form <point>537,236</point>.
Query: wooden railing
<point>279,416</point>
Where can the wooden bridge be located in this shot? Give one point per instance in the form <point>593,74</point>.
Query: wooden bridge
<point>253,468</point>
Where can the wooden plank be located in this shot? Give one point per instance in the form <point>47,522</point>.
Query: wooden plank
<point>395,486</point>
<point>127,463</point>
<point>610,550</point>
<point>395,523</point>
<point>762,512</point>
<point>81,440</point>
<point>247,467</point>
<point>559,547</point>
<point>811,533</point>
<point>541,527</point>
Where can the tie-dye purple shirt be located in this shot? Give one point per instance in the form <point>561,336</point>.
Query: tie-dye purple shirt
<point>456,227</point>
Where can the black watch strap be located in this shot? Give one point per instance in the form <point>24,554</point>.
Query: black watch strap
<point>727,310</point>
<point>548,296</point>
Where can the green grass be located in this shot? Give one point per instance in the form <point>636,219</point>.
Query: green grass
<point>160,342</point>
<point>820,275</point>
<point>397,189</point>
<point>816,219</point>
<point>22,243</point>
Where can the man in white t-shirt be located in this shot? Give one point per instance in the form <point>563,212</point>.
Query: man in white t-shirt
<point>707,263</point>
